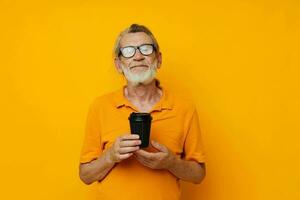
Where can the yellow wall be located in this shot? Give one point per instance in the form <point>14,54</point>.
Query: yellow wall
<point>233,57</point>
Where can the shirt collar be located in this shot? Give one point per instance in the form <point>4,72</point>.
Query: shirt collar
<point>165,102</point>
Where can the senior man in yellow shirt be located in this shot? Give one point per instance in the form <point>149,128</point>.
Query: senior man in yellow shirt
<point>111,156</point>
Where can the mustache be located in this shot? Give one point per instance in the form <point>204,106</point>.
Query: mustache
<point>136,65</point>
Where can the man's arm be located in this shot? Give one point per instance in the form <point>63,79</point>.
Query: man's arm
<point>190,171</point>
<point>96,170</point>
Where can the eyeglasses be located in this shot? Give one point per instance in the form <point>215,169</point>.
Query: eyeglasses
<point>129,51</point>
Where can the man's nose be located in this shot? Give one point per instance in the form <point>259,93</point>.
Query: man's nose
<point>138,55</point>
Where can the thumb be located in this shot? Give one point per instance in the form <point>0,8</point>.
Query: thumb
<point>158,146</point>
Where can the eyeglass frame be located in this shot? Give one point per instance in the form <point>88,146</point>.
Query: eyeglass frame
<point>135,48</point>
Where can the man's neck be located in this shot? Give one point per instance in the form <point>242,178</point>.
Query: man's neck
<point>144,94</point>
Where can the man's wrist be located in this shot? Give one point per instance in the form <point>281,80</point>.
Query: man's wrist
<point>173,162</point>
<point>108,157</point>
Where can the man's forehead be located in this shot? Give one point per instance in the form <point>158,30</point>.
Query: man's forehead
<point>135,39</point>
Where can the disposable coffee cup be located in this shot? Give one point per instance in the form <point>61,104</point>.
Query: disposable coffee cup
<point>140,124</point>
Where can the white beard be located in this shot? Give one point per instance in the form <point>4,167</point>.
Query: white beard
<point>143,77</point>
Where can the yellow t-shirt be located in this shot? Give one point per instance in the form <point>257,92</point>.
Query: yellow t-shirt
<point>175,124</point>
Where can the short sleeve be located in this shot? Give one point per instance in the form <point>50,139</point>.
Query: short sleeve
<point>91,148</point>
<point>193,145</point>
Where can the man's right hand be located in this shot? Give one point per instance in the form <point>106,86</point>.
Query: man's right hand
<point>123,147</point>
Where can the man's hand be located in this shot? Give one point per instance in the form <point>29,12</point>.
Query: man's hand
<point>158,160</point>
<point>123,147</point>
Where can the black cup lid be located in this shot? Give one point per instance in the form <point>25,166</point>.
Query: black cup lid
<point>138,116</point>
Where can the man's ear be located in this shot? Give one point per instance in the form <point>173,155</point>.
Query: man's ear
<point>159,60</point>
<point>118,65</point>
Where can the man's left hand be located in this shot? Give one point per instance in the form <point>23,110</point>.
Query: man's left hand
<point>156,160</point>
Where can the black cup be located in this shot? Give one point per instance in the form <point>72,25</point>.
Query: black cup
<point>140,124</point>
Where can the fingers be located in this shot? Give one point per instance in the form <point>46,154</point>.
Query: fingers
<point>145,154</point>
<point>124,156</point>
<point>125,150</point>
<point>143,161</point>
<point>130,143</point>
<point>125,145</point>
<point>129,137</point>
<point>158,146</point>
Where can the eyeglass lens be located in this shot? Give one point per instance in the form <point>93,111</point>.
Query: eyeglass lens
<point>129,51</point>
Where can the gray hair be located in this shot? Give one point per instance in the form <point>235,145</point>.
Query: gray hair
<point>134,28</point>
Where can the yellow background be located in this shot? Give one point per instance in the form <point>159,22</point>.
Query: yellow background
<point>238,60</point>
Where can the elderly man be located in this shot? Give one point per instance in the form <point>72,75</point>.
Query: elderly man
<point>111,156</point>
